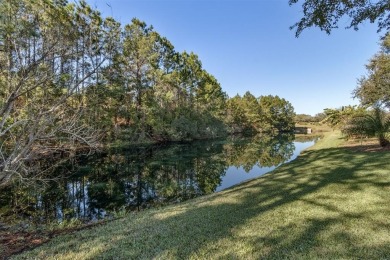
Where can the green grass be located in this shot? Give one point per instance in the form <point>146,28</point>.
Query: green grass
<point>329,203</point>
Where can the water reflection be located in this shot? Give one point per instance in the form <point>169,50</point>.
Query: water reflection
<point>146,176</point>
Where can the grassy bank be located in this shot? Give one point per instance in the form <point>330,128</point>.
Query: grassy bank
<point>329,203</point>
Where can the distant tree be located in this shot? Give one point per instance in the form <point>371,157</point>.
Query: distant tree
<point>303,118</point>
<point>139,64</point>
<point>374,89</point>
<point>319,117</point>
<point>252,110</point>
<point>326,14</point>
<point>338,118</point>
<point>243,113</point>
<point>333,117</point>
<point>236,119</point>
<point>263,114</point>
<point>276,113</point>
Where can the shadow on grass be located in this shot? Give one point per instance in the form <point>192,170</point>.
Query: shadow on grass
<point>327,203</point>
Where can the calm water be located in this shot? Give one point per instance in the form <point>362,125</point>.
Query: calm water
<point>145,176</point>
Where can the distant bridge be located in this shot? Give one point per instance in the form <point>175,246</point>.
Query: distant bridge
<point>303,130</point>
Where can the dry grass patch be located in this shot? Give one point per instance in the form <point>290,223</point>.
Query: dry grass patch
<point>365,145</point>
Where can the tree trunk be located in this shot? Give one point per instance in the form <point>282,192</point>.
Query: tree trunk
<point>383,141</point>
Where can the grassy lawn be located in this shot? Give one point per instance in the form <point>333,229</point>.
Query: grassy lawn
<point>331,202</point>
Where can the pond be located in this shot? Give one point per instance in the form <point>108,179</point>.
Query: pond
<point>95,187</point>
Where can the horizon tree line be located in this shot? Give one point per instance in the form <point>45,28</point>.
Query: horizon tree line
<point>74,81</point>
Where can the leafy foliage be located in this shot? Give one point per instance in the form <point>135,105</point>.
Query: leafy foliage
<point>333,205</point>
<point>276,113</point>
<point>50,53</point>
<point>263,114</point>
<point>374,89</point>
<point>338,118</point>
<point>304,118</point>
<point>71,80</point>
<point>326,14</point>
<point>374,123</point>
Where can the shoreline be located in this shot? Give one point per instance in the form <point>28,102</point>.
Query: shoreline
<point>305,209</point>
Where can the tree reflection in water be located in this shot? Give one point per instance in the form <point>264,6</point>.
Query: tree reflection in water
<point>140,177</point>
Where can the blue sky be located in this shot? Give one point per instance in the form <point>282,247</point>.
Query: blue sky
<point>248,46</point>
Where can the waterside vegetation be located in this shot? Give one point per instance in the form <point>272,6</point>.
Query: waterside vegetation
<point>331,202</point>
<point>72,80</point>
<point>140,177</point>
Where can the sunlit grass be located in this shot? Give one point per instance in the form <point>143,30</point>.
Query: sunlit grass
<point>328,203</point>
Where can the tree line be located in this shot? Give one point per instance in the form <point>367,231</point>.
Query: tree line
<point>72,80</point>
<point>371,118</point>
<point>305,118</point>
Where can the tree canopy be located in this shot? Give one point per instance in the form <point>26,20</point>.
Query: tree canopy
<point>338,118</point>
<point>374,88</point>
<point>72,80</point>
<point>373,123</point>
<point>262,114</point>
<point>326,14</point>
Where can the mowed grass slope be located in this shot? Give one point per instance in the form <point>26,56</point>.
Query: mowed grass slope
<point>328,203</point>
